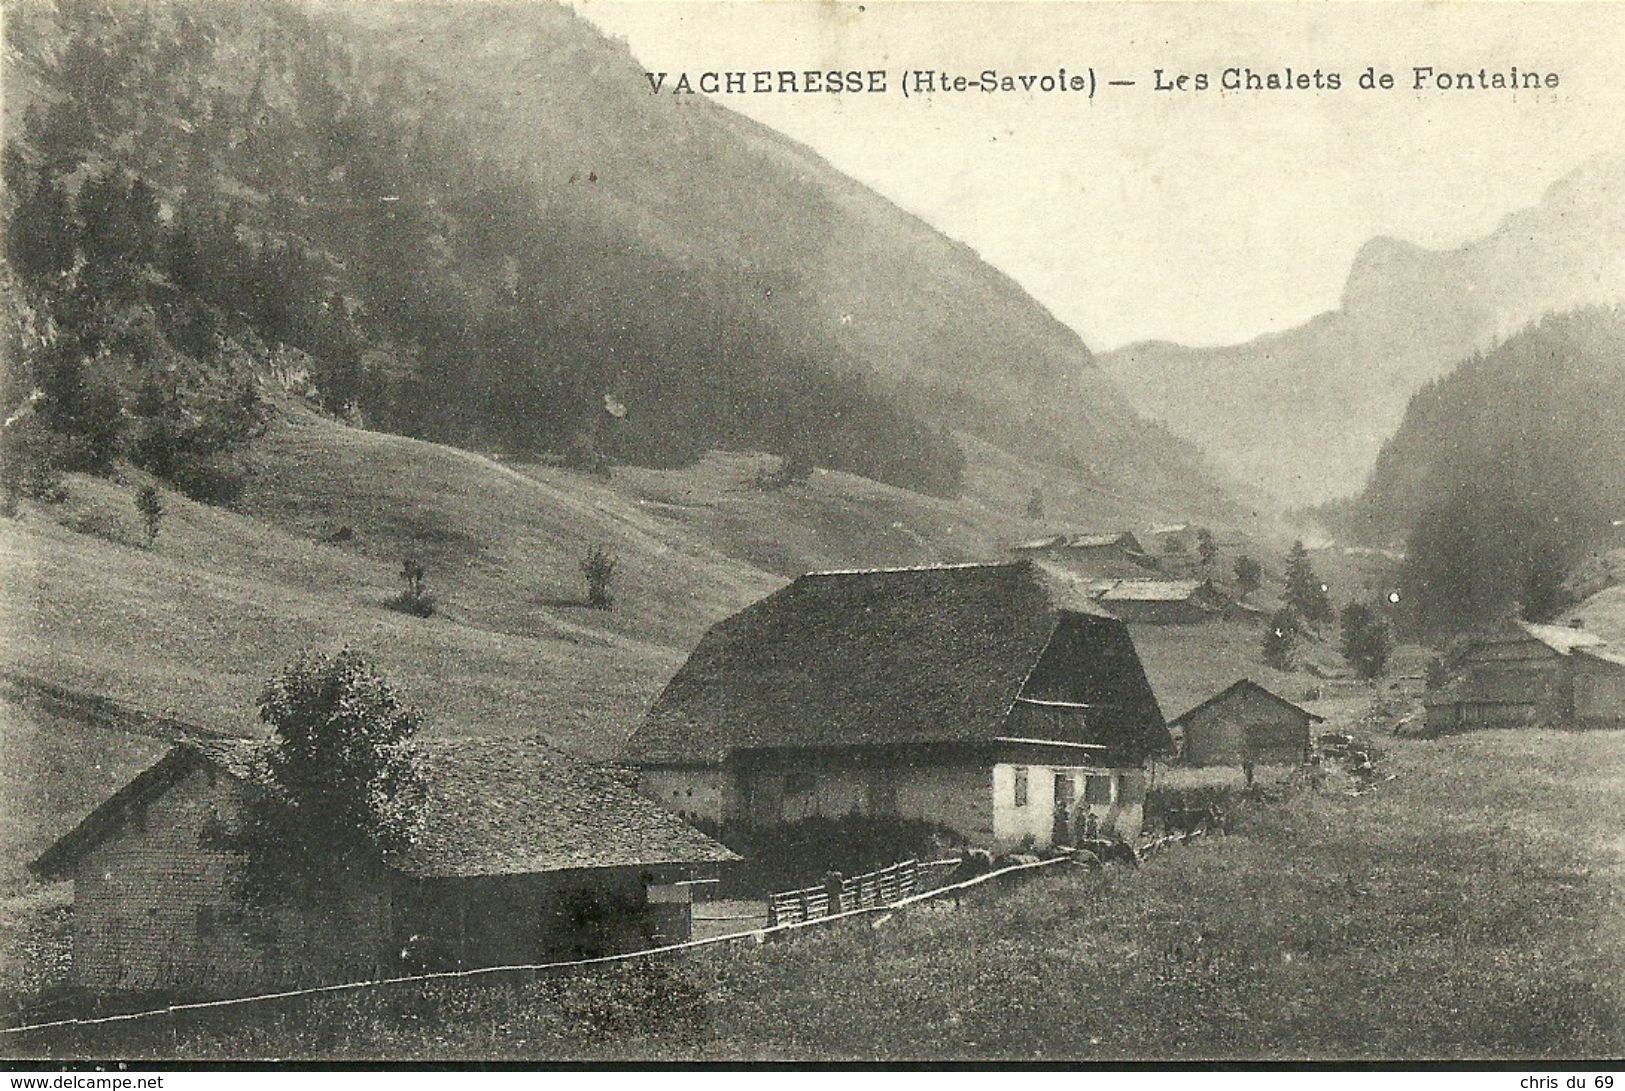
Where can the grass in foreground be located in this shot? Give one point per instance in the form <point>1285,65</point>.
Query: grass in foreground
<point>1468,909</point>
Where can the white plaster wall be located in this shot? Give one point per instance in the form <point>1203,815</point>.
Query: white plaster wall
<point>1013,825</point>
<point>693,791</point>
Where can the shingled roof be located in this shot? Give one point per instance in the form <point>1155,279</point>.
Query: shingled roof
<point>1246,685</point>
<point>899,656</point>
<point>1084,540</point>
<point>1603,654</point>
<point>493,806</point>
<point>1153,590</point>
<point>1095,540</point>
<point>1561,638</point>
<point>512,806</point>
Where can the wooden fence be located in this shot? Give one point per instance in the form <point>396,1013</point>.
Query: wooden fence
<point>876,888</point>
<point>879,914</point>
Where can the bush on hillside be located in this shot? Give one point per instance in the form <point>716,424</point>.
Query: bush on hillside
<point>599,569</point>
<point>150,506</point>
<point>32,462</point>
<point>415,597</point>
<point>1207,547</point>
<point>793,469</point>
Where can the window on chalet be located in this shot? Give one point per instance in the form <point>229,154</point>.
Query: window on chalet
<point>799,783</point>
<point>1097,788</point>
<point>1021,786</point>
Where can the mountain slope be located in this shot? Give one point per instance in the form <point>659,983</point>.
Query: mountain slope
<point>1303,413</point>
<point>189,627</point>
<point>1541,417</point>
<point>734,203</point>
<point>1504,473</point>
<point>481,228</point>
<point>311,554</point>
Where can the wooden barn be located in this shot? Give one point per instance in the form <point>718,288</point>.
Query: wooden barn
<point>1245,724</point>
<point>524,855</point>
<point>1526,675</point>
<point>993,699</point>
<point>1599,688</point>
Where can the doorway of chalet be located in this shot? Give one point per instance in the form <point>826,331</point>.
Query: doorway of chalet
<point>1062,829</point>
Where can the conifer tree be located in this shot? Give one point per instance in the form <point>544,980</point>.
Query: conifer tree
<point>1304,591</point>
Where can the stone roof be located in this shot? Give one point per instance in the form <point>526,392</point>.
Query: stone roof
<point>493,806</point>
<point>515,806</point>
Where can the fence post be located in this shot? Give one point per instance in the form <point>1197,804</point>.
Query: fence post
<point>833,883</point>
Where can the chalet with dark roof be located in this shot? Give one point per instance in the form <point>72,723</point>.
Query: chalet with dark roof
<point>1245,724</point>
<point>993,699</point>
<point>1520,674</point>
<point>523,855</point>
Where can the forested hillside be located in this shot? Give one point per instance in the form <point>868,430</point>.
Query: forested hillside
<point>1505,471</point>
<point>496,240</point>
<point>1302,413</point>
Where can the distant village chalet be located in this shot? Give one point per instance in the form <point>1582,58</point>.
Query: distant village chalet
<point>1526,675</point>
<point>524,855</point>
<point>992,699</point>
<point>1165,602</point>
<point>1108,553</point>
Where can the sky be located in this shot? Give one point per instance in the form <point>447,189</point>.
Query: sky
<point>1200,217</point>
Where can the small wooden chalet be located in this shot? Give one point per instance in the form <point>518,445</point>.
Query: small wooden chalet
<point>524,855</point>
<point>1245,724</point>
<point>1526,675</point>
<point>993,699</point>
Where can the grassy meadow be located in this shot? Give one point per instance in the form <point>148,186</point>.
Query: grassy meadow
<point>191,626</point>
<point>1468,908</point>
